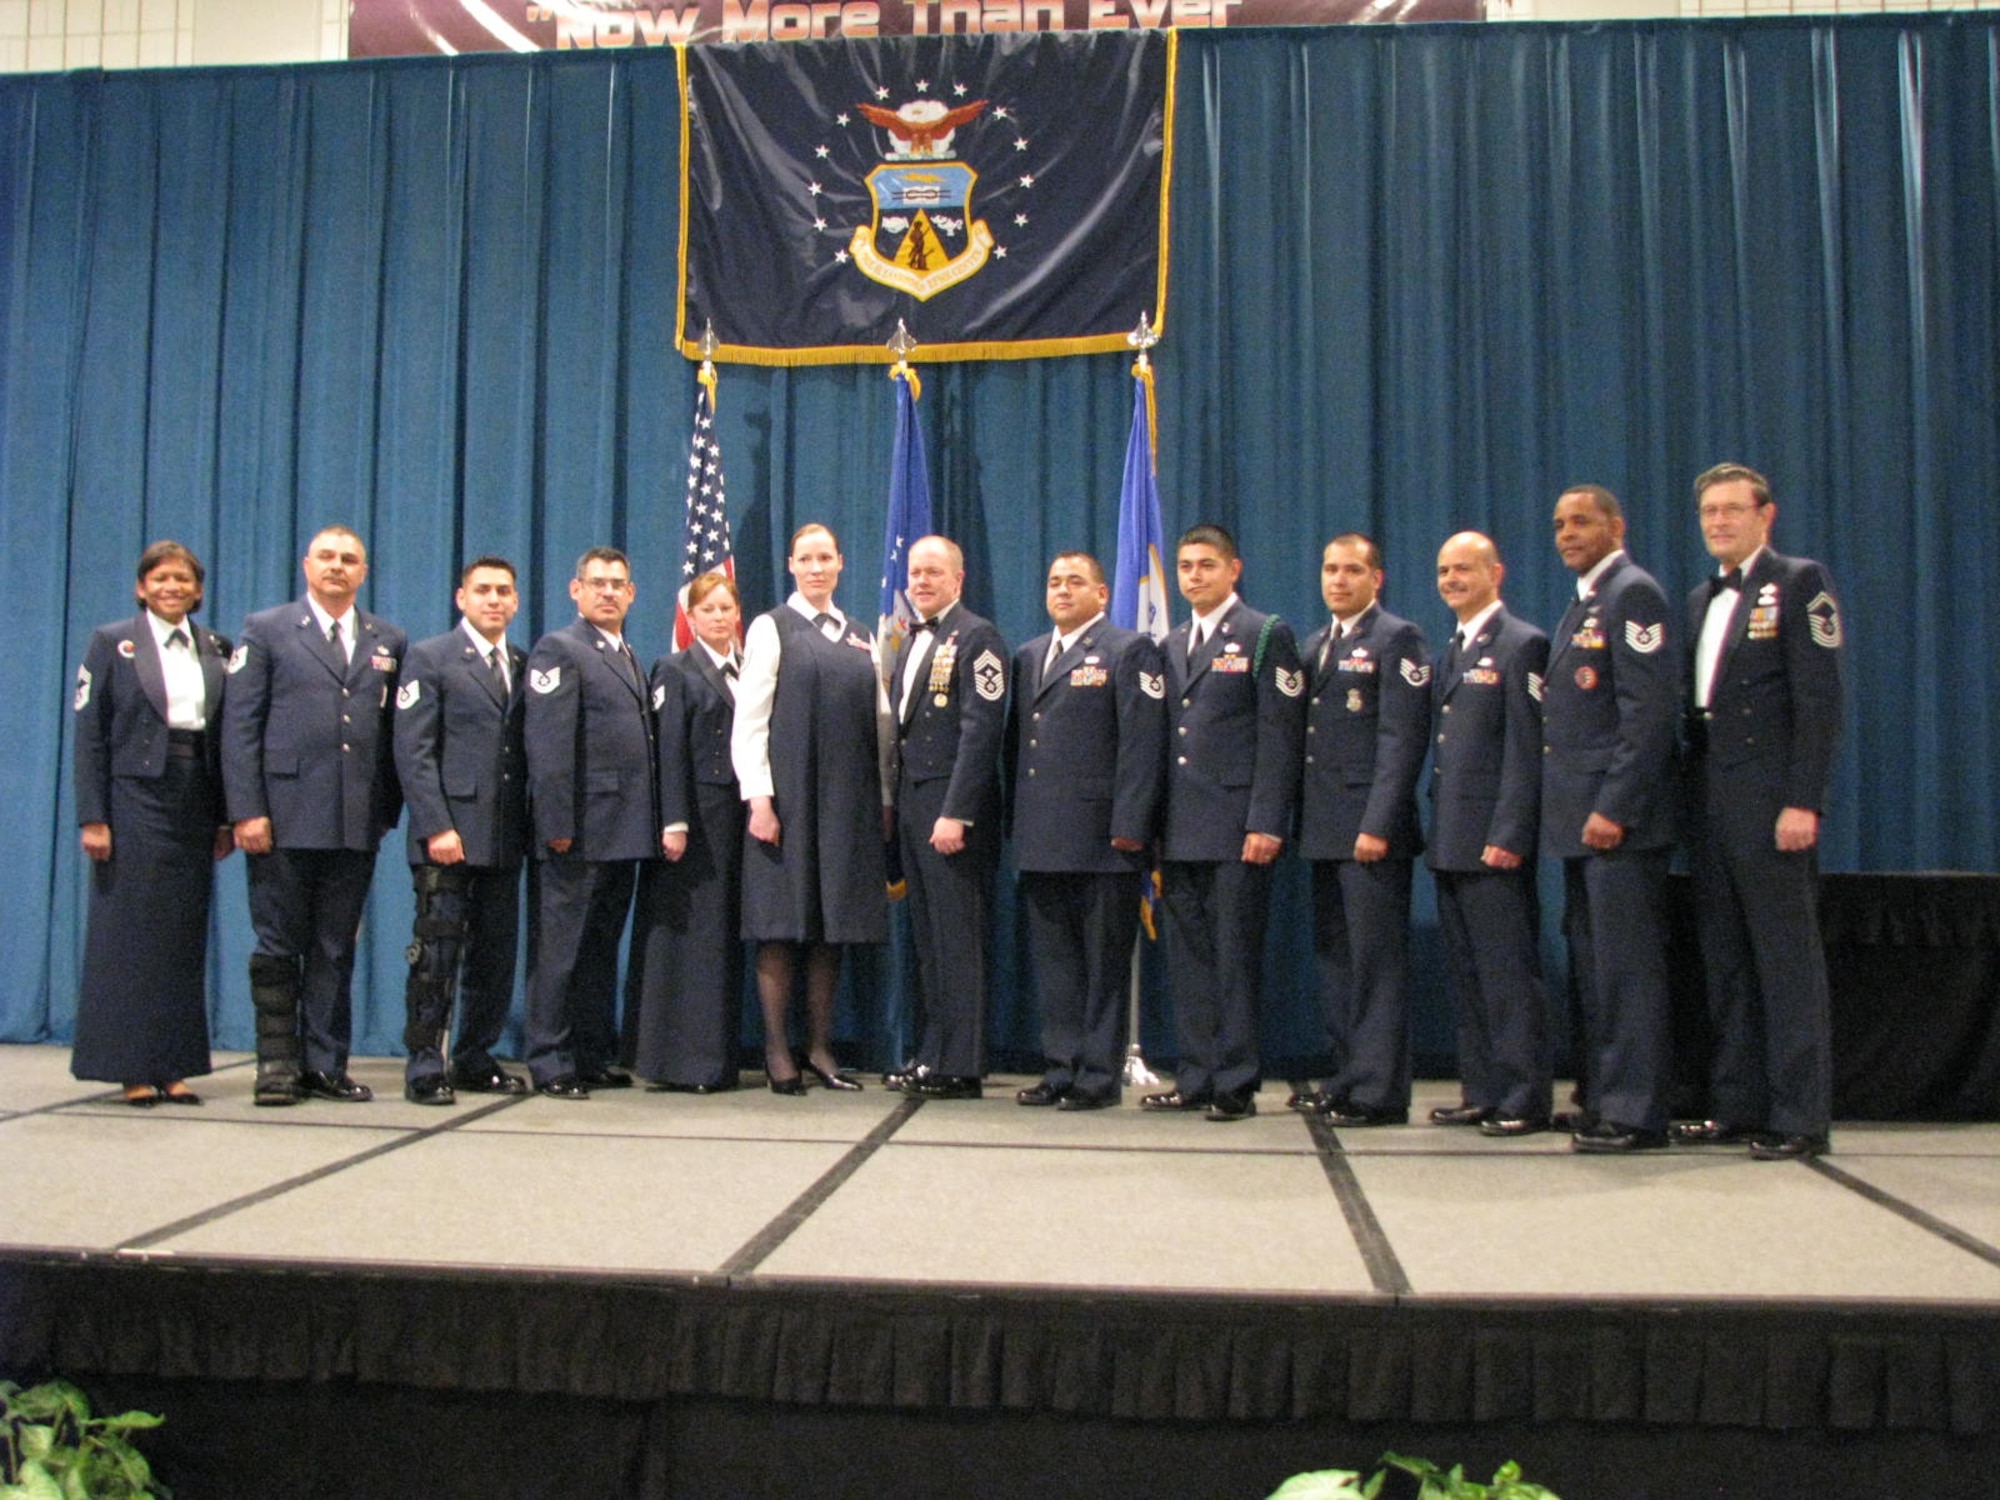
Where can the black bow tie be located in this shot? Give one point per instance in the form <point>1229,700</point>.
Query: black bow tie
<point>930,624</point>
<point>1733,579</point>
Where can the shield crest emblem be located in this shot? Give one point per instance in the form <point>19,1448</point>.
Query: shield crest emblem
<point>923,237</point>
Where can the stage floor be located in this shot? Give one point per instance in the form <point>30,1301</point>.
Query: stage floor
<point>749,1188</point>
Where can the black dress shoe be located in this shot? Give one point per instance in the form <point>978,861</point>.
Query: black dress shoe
<point>277,1089</point>
<point>146,1100</point>
<point>605,1078</point>
<point>1710,1133</point>
<point>1460,1114</point>
<point>1772,1147</point>
<point>1575,1121</point>
<point>898,1079</point>
<point>945,1086</point>
<point>336,1086</point>
<point>1307,1101</point>
<point>791,1088</point>
<point>562,1086</point>
<point>689,1088</point>
<point>491,1079</point>
<point>839,1079</point>
<point>1166,1103</point>
<point>1039,1096</point>
<point>1357,1116</point>
<point>1074,1102</point>
<point>184,1095</point>
<point>1226,1107</point>
<point>432,1088</point>
<point>1511,1127</point>
<point>1607,1138</point>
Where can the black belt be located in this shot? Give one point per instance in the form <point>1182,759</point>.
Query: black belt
<point>187,744</point>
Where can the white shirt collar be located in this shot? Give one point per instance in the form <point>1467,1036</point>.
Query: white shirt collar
<point>1469,631</point>
<point>161,629</point>
<point>803,606</point>
<point>616,641</point>
<point>1204,625</point>
<point>1587,581</point>
<point>347,621</point>
<point>1064,642</point>
<point>484,647</point>
<point>720,658</point>
<point>1747,564</point>
<point>1353,623</point>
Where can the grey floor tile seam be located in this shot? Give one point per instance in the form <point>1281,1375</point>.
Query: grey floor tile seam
<point>763,1244</point>
<point>1385,1270</point>
<point>412,1135</point>
<point>1951,1234</point>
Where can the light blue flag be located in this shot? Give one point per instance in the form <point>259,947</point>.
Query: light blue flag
<point>1139,586</point>
<point>909,515</point>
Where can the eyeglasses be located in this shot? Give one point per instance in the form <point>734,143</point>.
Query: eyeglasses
<point>606,585</point>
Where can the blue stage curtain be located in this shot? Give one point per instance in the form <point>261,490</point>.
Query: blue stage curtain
<point>1423,277</point>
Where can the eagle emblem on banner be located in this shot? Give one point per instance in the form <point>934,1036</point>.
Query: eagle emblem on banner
<point>923,238</point>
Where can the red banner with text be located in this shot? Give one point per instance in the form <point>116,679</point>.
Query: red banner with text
<point>398,28</point>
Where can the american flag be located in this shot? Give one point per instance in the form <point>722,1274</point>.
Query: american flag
<point>705,522</point>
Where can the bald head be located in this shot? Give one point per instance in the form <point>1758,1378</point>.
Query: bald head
<point>1469,573</point>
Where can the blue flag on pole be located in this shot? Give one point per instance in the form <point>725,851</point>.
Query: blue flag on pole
<point>909,515</point>
<point>1139,586</point>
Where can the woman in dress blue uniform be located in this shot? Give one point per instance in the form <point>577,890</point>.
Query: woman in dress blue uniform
<point>690,968</point>
<point>812,746</point>
<point>149,797</point>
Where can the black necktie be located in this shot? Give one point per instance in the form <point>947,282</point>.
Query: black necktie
<point>1451,656</point>
<point>822,620</point>
<point>499,672</point>
<point>333,640</point>
<point>729,677</point>
<point>1732,580</point>
<point>177,637</point>
<point>1055,654</point>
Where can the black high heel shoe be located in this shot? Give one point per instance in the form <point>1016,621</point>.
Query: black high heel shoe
<point>843,1082</point>
<point>792,1088</point>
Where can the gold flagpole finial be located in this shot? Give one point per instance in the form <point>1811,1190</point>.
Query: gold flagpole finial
<point>706,376</point>
<point>1143,338</point>
<point>902,346</point>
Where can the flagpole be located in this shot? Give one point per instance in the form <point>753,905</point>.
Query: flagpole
<point>1142,338</point>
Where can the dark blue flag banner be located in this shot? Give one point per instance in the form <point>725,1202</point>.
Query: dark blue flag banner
<point>1003,197</point>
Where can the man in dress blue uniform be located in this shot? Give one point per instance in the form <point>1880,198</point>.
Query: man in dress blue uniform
<point>594,794</point>
<point>310,780</point>
<point>1764,703</point>
<point>949,686</point>
<point>464,773</point>
<point>1608,713</point>
<point>1368,706</point>
<point>1486,783</point>
<point>1085,762</point>
<point>1235,713</point>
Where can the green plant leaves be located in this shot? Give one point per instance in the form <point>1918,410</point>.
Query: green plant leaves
<point>51,1448</point>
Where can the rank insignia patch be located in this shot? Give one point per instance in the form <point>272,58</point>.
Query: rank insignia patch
<point>409,692</point>
<point>1415,673</point>
<point>237,658</point>
<point>1645,639</point>
<point>545,682</point>
<point>82,689</point>
<point>989,678</point>
<point>1823,616</point>
<point>1291,684</point>
<point>1153,684</point>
